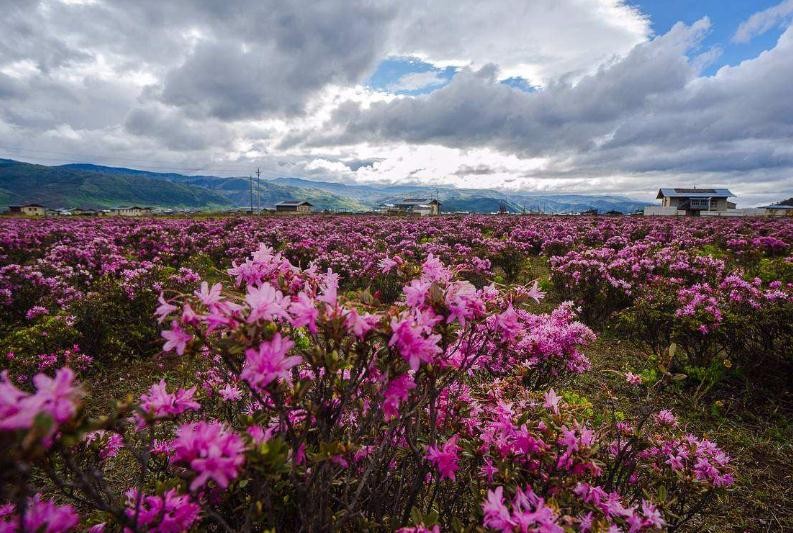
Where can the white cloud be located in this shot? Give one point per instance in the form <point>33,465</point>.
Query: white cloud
<point>417,80</point>
<point>226,87</point>
<point>762,21</point>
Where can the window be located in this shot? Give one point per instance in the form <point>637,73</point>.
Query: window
<point>700,203</point>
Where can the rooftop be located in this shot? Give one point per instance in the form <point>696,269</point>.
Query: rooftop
<point>694,192</point>
<point>294,202</point>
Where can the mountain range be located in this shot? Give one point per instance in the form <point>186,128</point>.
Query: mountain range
<point>94,186</point>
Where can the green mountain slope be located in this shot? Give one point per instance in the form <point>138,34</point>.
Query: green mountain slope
<point>62,187</point>
<point>237,191</point>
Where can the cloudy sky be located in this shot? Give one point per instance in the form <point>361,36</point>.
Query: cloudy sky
<point>595,96</point>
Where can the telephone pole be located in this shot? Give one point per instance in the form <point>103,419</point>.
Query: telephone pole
<point>258,194</point>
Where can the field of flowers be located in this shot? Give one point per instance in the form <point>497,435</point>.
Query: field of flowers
<point>507,373</point>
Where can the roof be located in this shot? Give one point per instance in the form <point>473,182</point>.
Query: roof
<point>678,192</point>
<point>294,203</point>
<point>27,205</point>
<point>777,206</point>
<point>417,201</point>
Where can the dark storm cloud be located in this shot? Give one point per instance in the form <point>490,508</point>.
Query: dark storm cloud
<point>292,52</point>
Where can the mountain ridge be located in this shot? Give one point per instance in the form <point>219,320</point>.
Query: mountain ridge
<point>90,185</point>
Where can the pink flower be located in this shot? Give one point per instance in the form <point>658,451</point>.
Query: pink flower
<point>266,303</point>
<point>445,459</point>
<point>665,418</point>
<point>330,288</point>
<point>176,338</point>
<point>36,311</point>
<point>304,312</point>
<point>164,309</point>
<point>269,362</point>
<point>230,393</point>
<point>210,297</point>
<point>413,346</point>
<point>395,393</point>
<point>40,515</point>
<point>633,379</point>
<point>170,513</point>
<point>260,435</point>
<point>212,451</point>
<point>159,403</point>
<point>360,325</point>
<point>58,397</point>
<point>535,292</point>
<point>552,401</point>
<point>497,515</point>
<point>387,264</point>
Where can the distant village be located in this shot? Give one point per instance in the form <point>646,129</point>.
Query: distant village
<point>709,202</point>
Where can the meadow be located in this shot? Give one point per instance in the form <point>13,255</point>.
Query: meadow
<point>454,373</point>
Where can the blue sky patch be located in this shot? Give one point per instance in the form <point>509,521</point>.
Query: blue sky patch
<point>725,17</point>
<point>409,75</point>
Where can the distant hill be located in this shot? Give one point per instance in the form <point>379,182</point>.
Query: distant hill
<point>474,200</point>
<point>788,202</point>
<point>88,185</point>
<point>65,187</point>
<point>236,191</point>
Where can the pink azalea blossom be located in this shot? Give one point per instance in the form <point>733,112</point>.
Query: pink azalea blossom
<point>633,379</point>
<point>176,338</point>
<point>445,458</point>
<point>413,346</point>
<point>395,393</point>
<point>170,513</point>
<point>212,452</point>
<point>230,393</point>
<point>40,515</point>
<point>164,309</point>
<point>269,362</point>
<point>552,401</point>
<point>266,303</point>
<point>159,403</point>
<point>665,418</point>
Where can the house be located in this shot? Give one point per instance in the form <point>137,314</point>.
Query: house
<point>415,206</point>
<point>83,212</point>
<point>133,211</point>
<point>294,206</point>
<point>29,210</point>
<point>691,201</point>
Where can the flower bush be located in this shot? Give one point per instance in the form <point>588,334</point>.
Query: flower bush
<point>327,409</point>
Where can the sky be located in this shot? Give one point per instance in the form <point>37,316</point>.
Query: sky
<point>545,96</point>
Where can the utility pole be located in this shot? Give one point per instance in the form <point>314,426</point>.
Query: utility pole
<point>251,181</point>
<point>258,193</point>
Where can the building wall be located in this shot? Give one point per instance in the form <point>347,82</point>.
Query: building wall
<point>33,211</point>
<point>655,210</point>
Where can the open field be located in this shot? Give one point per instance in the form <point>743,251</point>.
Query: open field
<point>365,372</point>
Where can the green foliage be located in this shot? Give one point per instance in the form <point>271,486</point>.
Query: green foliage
<point>114,326</point>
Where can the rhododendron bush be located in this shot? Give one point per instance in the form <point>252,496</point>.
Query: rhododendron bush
<point>328,411</point>
<point>371,373</point>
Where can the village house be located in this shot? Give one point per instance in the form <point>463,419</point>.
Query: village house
<point>84,212</point>
<point>133,211</point>
<point>294,206</point>
<point>414,206</point>
<point>29,210</point>
<point>691,201</point>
